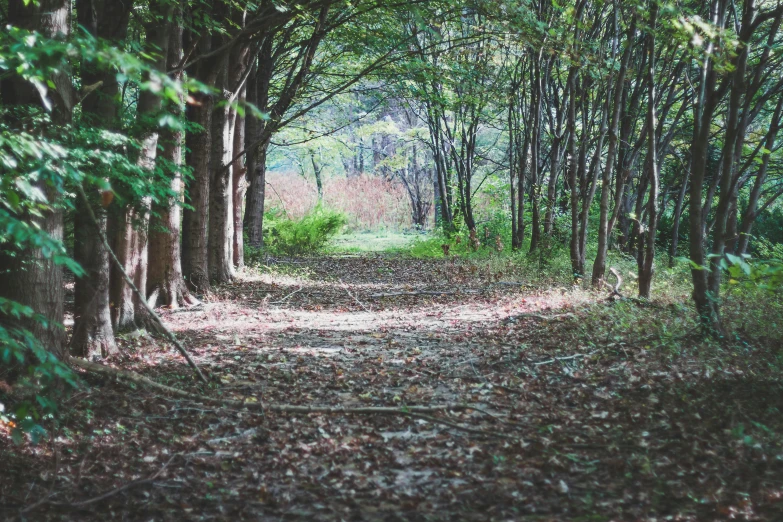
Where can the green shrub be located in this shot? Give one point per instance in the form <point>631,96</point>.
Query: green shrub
<point>310,234</point>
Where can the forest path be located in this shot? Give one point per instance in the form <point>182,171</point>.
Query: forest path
<point>579,421</point>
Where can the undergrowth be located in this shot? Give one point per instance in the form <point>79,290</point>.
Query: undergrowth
<point>309,234</point>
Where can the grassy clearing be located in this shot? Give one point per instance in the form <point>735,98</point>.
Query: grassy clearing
<point>385,241</point>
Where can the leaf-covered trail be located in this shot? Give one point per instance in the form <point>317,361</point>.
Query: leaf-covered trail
<point>577,420</point>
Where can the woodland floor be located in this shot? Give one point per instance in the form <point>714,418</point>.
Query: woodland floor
<point>581,421</point>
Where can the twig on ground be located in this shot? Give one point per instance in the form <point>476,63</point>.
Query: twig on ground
<point>566,358</point>
<point>142,298</point>
<point>283,300</point>
<point>117,490</point>
<point>538,317</point>
<point>423,292</point>
<point>345,287</point>
<point>129,376</point>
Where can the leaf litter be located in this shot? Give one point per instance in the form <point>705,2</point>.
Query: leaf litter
<point>574,419</point>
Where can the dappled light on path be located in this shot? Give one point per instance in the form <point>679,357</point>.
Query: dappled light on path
<point>574,406</point>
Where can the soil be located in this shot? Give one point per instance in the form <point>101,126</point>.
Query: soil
<point>577,417</point>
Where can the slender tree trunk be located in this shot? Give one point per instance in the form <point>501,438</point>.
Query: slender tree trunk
<point>522,161</point>
<point>734,135</point>
<point>512,172</point>
<point>554,174</point>
<point>751,212</point>
<point>646,263</point>
<point>599,266</point>
<point>677,216</point>
<point>573,180</point>
<point>706,304</point>
<point>238,188</point>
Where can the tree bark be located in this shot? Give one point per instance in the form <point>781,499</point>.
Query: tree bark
<point>257,94</point>
<point>195,264</point>
<point>648,253</point>
<point>132,232</point>
<point>221,219</point>
<point>238,187</point>
<point>706,103</point>
<point>30,276</point>
<point>93,334</point>
<point>599,266</point>
<point>165,282</point>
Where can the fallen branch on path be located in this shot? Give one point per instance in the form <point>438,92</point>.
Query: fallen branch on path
<point>538,317</point>
<point>347,291</point>
<point>406,411</point>
<point>283,300</point>
<point>142,298</point>
<point>254,404</point>
<point>424,292</point>
<point>566,358</point>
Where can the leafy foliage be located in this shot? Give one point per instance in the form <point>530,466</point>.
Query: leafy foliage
<point>307,235</point>
<point>42,160</point>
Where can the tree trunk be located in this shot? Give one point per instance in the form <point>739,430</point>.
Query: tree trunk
<point>221,219</point>
<point>196,216</point>
<point>133,230</point>
<point>573,180</point>
<point>706,305</point>
<point>30,277</point>
<point>93,334</point>
<point>535,192</point>
<point>165,282</point>
<point>646,261</point>
<point>198,143</point>
<point>319,183</point>
<point>599,266</point>
<point>254,210</point>
<point>238,188</point>
<point>92,330</point>
<point>677,216</point>
<point>257,143</point>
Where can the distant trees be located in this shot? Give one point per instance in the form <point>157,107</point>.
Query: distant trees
<point>615,116</point>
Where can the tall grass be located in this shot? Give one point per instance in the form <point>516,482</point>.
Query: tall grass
<point>370,203</point>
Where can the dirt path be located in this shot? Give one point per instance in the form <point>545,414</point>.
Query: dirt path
<point>579,421</point>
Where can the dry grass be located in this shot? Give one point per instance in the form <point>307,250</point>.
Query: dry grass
<point>370,203</point>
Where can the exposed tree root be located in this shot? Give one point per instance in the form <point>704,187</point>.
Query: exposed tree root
<point>171,295</point>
